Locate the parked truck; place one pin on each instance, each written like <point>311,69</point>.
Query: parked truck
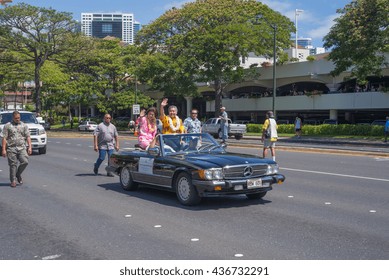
<point>212,126</point>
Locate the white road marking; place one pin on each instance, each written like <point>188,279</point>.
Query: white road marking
<point>336,174</point>
<point>127,216</point>
<point>372,211</point>
<point>194,239</point>
<point>381,159</point>
<point>327,203</point>
<point>238,255</point>
<point>157,226</point>
<point>290,196</point>
<point>52,257</point>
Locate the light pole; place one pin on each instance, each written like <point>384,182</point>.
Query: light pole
<point>296,13</point>
<point>274,68</point>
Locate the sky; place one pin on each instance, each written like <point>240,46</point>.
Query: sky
<point>314,22</point>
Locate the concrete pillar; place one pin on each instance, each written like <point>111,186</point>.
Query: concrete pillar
<point>92,111</point>
<point>189,104</point>
<point>348,116</point>
<point>333,114</point>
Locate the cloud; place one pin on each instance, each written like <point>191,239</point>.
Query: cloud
<point>323,27</point>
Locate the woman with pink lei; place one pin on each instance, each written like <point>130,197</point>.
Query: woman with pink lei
<point>148,128</point>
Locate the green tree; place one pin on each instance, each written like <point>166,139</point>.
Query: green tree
<point>363,28</point>
<point>205,40</point>
<point>31,34</point>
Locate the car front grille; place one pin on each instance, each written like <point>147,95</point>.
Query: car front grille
<point>244,171</point>
<point>34,131</point>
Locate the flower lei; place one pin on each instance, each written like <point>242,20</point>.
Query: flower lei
<point>177,126</point>
<point>151,126</point>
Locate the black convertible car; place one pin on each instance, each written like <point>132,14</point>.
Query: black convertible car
<point>195,166</point>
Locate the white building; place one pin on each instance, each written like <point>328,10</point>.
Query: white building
<point>101,25</point>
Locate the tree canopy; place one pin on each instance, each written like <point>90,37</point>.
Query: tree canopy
<point>31,34</point>
<point>205,40</point>
<point>360,38</point>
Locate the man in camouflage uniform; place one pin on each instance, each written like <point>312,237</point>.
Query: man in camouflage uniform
<point>15,137</point>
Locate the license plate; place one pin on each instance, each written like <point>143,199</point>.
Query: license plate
<point>254,183</point>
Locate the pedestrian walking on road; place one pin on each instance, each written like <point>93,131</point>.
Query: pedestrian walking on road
<point>106,140</point>
<point>386,130</point>
<point>15,136</point>
<point>224,124</point>
<point>269,135</point>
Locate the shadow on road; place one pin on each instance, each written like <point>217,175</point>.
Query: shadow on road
<point>167,198</point>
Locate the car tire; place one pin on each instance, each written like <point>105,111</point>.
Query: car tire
<point>126,180</point>
<point>185,191</point>
<point>42,150</point>
<point>256,195</point>
<point>238,136</point>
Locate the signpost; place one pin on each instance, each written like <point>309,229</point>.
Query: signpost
<point>136,109</point>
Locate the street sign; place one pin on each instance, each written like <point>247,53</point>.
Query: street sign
<point>136,109</point>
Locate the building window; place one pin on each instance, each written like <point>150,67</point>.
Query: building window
<point>106,28</point>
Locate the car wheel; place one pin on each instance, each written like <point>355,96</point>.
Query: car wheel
<point>256,195</point>
<point>185,191</point>
<point>126,180</point>
<point>42,150</point>
<point>238,137</point>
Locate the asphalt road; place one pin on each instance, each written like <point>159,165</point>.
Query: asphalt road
<point>330,207</point>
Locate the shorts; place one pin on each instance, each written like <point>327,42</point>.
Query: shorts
<point>269,144</point>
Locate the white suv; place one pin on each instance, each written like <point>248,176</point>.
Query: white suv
<point>37,132</point>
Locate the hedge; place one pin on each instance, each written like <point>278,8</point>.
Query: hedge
<point>326,129</point>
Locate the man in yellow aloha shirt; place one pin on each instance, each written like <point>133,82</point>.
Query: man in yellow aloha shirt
<point>172,123</point>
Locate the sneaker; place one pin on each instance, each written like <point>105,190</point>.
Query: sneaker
<point>20,180</point>
<point>95,170</point>
<point>109,174</point>
<point>13,184</point>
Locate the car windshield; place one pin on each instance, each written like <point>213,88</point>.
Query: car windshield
<point>24,117</point>
<point>189,143</point>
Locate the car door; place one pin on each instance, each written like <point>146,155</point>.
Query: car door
<point>206,125</point>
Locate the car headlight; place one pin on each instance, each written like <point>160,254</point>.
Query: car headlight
<point>211,174</point>
<point>41,131</point>
<point>272,169</point>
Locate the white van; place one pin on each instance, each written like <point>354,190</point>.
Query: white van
<point>37,132</point>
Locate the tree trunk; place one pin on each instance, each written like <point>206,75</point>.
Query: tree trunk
<point>218,97</point>
<point>37,93</point>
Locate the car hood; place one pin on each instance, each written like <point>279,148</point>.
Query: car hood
<point>215,160</point>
